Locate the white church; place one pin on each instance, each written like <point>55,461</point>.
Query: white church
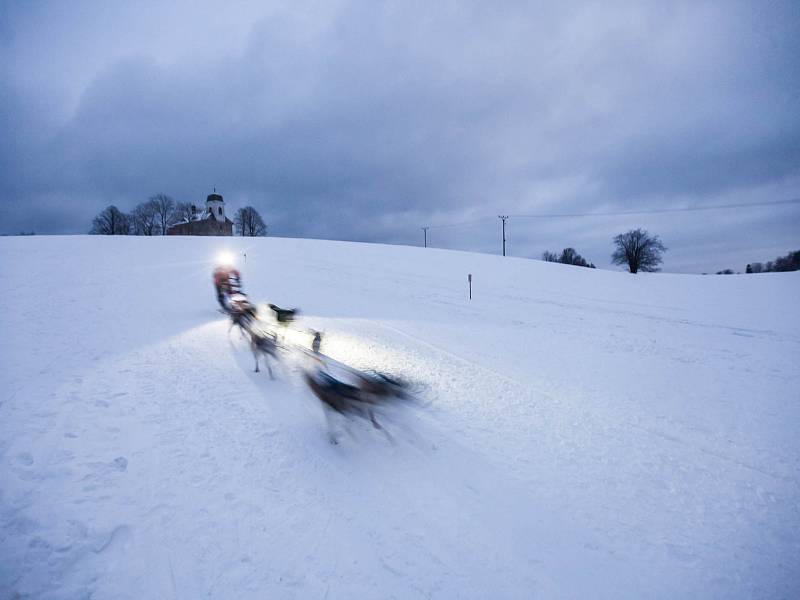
<point>211,221</point>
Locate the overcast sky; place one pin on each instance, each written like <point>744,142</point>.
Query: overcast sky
<point>368,120</point>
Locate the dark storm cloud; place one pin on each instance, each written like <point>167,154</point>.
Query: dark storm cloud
<point>367,120</point>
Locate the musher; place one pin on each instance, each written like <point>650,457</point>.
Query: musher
<point>227,281</point>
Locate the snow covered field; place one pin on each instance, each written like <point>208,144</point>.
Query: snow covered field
<point>588,434</point>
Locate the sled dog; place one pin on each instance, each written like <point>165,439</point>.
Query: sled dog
<point>263,344</point>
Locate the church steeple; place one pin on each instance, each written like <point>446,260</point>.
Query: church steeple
<point>215,206</point>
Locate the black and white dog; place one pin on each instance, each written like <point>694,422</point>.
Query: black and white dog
<point>360,398</point>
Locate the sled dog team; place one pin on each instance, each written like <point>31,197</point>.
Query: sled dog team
<point>358,398</point>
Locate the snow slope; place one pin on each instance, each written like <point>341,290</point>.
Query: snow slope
<point>588,434</point>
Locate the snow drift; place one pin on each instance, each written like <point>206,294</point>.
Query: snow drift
<point>587,433</point>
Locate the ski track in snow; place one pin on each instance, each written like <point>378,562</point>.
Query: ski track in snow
<point>150,461</point>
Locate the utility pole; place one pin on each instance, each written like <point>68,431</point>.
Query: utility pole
<point>425,229</point>
<point>503,218</point>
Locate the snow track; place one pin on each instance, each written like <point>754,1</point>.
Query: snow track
<point>143,458</point>
<point>203,493</point>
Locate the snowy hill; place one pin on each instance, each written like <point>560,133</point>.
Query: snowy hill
<point>587,434</point>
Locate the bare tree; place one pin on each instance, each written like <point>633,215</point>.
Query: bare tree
<point>166,211</point>
<point>548,256</point>
<point>568,257</point>
<point>790,262</point>
<point>185,212</point>
<point>146,218</point>
<point>249,223</point>
<point>639,250</point>
<point>111,221</point>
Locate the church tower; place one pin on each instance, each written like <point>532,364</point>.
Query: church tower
<point>215,206</point>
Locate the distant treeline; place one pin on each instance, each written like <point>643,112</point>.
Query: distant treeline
<point>568,256</point>
<point>153,217</point>
<point>790,262</point>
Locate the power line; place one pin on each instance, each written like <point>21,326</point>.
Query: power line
<point>660,210</point>
<point>504,218</point>
<point>462,223</point>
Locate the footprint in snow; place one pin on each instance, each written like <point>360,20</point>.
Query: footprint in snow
<point>120,535</point>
